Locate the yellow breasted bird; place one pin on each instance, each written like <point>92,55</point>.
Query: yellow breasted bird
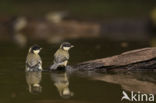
<point>33,60</point>
<point>61,56</point>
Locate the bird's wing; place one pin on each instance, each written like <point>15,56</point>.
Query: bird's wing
<point>60,59</point>
<point>33,63</point>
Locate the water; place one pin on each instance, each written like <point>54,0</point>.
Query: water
<point>70,87</point>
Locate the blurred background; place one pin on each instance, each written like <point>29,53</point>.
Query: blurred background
<point>97,28</point>
<point>54,21</point>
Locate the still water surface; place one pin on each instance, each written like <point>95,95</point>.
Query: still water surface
<point>69,87</point>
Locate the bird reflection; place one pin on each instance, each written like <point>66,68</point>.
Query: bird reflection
<point>60,79</point>
<point>33,80</point>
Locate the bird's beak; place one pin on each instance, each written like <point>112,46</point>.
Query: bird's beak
<point>41,48</point>
<point>72,46</point>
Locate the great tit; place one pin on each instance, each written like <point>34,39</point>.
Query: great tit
<point>33,60</point>
<point>61,56</point>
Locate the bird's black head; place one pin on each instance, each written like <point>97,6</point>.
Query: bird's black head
<point>35,49</point>
<point>66,46</point>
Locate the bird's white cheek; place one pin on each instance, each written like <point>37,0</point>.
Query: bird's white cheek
<point>36,51</point>
<point>66,48</point>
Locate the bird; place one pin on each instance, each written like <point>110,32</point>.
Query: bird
<point>61,56</point>
<point>33,60</point>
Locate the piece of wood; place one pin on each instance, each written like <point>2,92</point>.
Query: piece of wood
<point>136,59</point>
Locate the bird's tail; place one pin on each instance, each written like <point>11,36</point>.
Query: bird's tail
<point>54,66</point>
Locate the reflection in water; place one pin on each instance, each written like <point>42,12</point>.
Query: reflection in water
<point>61,82</point>
<point>133,81</point>
<point>33,80</point>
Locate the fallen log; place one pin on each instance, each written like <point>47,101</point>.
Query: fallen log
<point>136,59</point>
